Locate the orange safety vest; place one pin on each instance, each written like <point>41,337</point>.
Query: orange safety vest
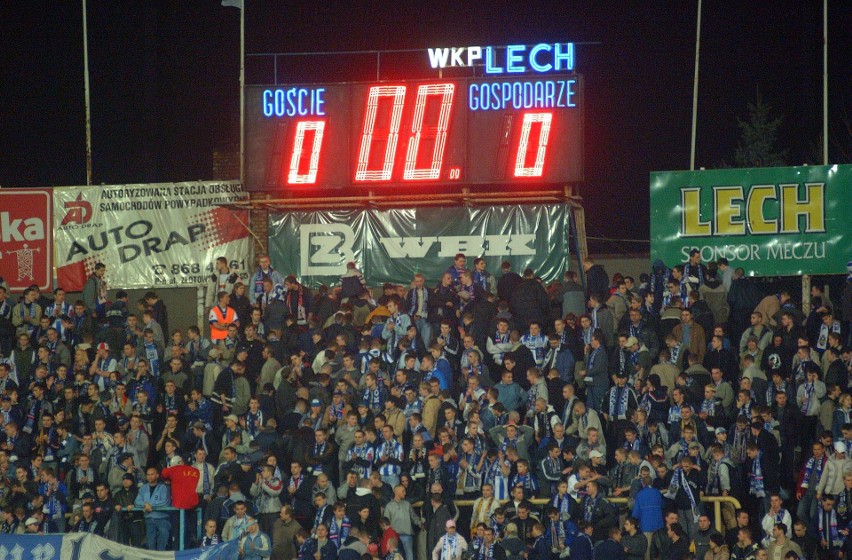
<point>228,317</point>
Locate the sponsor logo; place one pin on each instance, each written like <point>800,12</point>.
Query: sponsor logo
<point>25,238</point>
<point>78,211</point>
<point>326,248</point>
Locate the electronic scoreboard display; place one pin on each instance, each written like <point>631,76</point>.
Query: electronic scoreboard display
<point>407,134</point>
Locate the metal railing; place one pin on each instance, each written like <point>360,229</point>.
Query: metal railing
<point>181,536</point>
<point>717,502</point>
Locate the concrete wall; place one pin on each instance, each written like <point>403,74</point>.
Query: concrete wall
<point>627,264</point>
<point>180,302</point>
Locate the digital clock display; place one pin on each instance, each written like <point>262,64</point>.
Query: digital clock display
<point>410,133</point>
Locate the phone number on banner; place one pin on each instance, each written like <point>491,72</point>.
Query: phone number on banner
<point>191,273</point>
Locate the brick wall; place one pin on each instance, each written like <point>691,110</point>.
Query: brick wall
<point>259,223</point>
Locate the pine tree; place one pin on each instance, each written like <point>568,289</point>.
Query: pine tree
<point>757,146</point>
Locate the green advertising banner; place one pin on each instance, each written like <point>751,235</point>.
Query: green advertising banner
<point>393,245</point>
<point>770,221</point>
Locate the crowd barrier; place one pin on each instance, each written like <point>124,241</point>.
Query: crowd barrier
<point>182,521</point>
<point>717,502</point>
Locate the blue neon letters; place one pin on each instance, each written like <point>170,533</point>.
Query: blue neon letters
<point>293,102</point>
<point>533,94</point>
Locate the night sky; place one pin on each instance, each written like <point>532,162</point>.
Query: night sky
<point>164,80</point>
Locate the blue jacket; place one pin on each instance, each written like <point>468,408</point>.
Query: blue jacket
<point>609,550</point>
<point>564,363</point>
<point>512,396</point>
<point>443,374</point>
<point>262,546</point>
<point>159,497</point>
<point>329,551</point>
<point>648,509</point>
<point>582,548</point>
<point>540,549</point>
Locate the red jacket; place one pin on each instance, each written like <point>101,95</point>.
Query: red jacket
<point>386,536</point>
<point>184,483</point>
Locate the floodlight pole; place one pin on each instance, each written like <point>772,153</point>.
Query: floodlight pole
<point>825,82</point>
<point>243,93</point>
<point>86,97</point>
<point>695,90</point>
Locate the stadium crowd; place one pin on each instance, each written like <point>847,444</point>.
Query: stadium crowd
<point>581,421</point>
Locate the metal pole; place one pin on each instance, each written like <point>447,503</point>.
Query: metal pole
<point>182,544</point>
<point>86,98</point>
<point>243,93</point>
<point>825,82</point>
<point>695,90</point>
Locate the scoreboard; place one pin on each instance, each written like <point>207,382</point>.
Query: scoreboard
<point>410,134</point>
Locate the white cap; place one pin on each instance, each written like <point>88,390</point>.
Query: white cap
<point>839,447</point>
<point>175,461</point>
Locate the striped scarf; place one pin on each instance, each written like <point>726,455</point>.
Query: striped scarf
<point>806,402</point>
<point>681,482</point>
<point>486,552</point>
<point>844,502</point>
<point>589,507</point>
<point>563,504</point>
<point>449,549</point>
<point>740,442</point>
<point>499,339</point>
<point>830,534</point>
<point>557,535</point>
<point>756,482</point>
<point>714,479</point>
<point>813,468</point>
<point>618,398</point>
<point>675,353</point>
<point>507,442</point>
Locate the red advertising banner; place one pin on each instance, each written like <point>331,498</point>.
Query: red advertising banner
<point>26,238</point>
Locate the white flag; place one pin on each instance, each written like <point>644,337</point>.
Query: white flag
<point>233,4</point>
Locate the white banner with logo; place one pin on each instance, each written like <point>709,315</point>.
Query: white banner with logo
<point>87,546</point>
<point>392,245</point>
<point>149,235</point>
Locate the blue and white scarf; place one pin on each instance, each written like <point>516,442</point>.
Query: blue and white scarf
<point>563,505</point>
<point>254,420</point>
<point>589,507</point>
<point>681,482</point>
<point>499,339</point>
<point>755,481</point>
<point>675,354</point>
<point>830,534</point>
<point>674,414</point>
<point>618,399</point>
<point>591,360</point>
<point>557,535</point>
<point>449,549</point>
<point>806,402</point>
<point>813,468</point>
<point>774,390</point>
<point>507,442</point>
<point>374,399</point>
<point>709,406</point>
